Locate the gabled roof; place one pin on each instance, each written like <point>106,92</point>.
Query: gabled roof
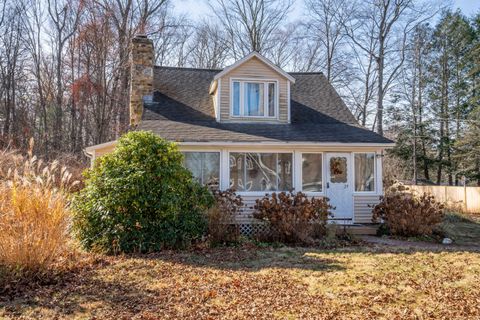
<point>257,55</point>
<point>182,110</point>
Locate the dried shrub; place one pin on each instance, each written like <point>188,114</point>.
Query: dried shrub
<point>33,227</point>
<point>222,226</point>
<point>294,217</point>
<point>407,213</point>
<point>34,216</point>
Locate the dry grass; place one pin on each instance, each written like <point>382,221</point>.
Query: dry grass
<point>34,217</point>
<point>33,227</point>
<point>283,283</point>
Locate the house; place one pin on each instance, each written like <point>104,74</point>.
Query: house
<point>256,128</point>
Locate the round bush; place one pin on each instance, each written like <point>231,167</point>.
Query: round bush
<point>140,198</point>
<point>404,212</point>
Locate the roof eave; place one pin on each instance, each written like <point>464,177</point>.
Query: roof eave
<point>288,143</point>
<point>261,58</point>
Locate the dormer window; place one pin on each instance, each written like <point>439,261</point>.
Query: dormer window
<point>253,98</point>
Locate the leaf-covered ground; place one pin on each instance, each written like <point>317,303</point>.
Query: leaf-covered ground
<point>269,283</point>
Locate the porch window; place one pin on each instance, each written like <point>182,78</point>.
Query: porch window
<point>312,172</point>
<point>261,171</point>
<point>364,172</point>
<point>338,170</point>
<point>254,98</point>
<point>205,166</point>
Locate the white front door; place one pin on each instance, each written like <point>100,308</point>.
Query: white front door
<point>339,185</point>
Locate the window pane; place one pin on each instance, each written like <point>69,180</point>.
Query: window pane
<point>285,176</point>
<point>253,99</point>
<point>236,98</point>
<point>338,170</point>
<point>193,162</point>
<point>237,173</point>
<point>260,170</point>
<point>312,172</point>
<point>204,166</point>
<point>364,172</point>
<point>271,99</point>
<point>211,168</point>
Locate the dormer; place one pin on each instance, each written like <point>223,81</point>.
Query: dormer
<point>253,89</point>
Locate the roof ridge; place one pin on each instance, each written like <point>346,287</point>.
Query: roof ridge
<point>218,70</point>
<point>187,68</point>
<point>307,72</point>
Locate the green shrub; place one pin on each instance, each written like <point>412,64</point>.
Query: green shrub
<point>140,198</point>
<point>406,213</point>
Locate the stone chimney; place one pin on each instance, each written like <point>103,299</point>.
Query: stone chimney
<point>141,76</point>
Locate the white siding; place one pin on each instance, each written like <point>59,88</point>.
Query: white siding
<point>362,207</point>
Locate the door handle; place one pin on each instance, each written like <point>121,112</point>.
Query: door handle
<point>346,185</point>
<point>328,185</point>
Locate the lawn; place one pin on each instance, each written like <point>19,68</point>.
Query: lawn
<point>462,228</point>
<point>264,283</point>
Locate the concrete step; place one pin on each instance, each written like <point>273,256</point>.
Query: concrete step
<point>359,229</point>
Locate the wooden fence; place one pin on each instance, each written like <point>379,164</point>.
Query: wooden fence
<point>467,198</point>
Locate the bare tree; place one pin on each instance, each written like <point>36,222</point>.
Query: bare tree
<point>209,48</point>
<point>12,65</point>
<point>393,23</point>
<point>64,16</point>
<point>327,18</point>
<point>361,90</point>
<point>250,25</point>
<point>35,18</point>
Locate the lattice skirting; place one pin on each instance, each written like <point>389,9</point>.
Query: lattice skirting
<point>254,229</point>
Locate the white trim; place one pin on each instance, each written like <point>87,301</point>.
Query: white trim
<point>265,83</point>
<point>279,145</point>
<point>100,146</point>
<point>297,183</point>
<point>380,173</point>
<point>219,93</point>
<point>225,169</point>
<point>213,87</point>
<point>375,183</point>
<point>288,103</point>
<point>250,56</point>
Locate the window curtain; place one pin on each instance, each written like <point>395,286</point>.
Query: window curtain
<point>253,98</point>
<point>364,172</point>
<point>236,98</point>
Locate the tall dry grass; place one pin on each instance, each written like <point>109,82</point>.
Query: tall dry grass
<point>34,214</point>
<point>33,227</point>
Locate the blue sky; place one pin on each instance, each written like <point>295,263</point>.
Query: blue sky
<point>197,9</point>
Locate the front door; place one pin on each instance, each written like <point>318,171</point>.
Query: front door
<point>339,186</point>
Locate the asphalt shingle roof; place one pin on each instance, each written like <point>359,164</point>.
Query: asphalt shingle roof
<point>182,110</point>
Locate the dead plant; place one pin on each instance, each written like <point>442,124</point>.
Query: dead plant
<point>293,216</point>
<point>407,213</point>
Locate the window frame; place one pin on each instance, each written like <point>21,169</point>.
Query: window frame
<point>315,193</point>
<point>265,83</point>
<point>260,193</point>
<point>183,151</point>
<point>375,184</point>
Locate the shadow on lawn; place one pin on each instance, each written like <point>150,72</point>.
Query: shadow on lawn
<point>81,295</point>
<point>250,259</point>
<point>117,294</point>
